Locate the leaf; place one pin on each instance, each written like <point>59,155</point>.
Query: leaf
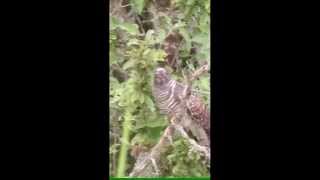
<point>179,25</point>
<point>114,23</point>
<point>150,104</point>
<point>154,132</point>
<point>141,98</point>
<point>133,42</point>
<point>138,5</point>
<point>165,22</point>
<point>114,148</point>
<point>130,28</point>
<point>137,139</point>
<point>130,63</point>
<point>113,57</point>
<point>146,52</point>
<point>161,36</point>
<point>207,6</point>
<point>132,96</point>
<point>158,55</point>
<point>190,2</point>
<point>155,123</point>
<point>202,38</point>
<point>204,27</point>
<point>204,84</point>
<point>149,35</point>
<point>203,56</point>
<point>187,38</point>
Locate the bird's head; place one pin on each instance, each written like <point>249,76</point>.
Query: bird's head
<point>161,76</point>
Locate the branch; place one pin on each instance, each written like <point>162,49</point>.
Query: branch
<point>116,8</point>
<point>188,80</point>
<point>146,163</point>
<point>193,143</point>
<point>201,92</point>
<point>199,72</point>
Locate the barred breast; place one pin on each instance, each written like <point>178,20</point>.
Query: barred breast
<point>167,92</point>
<point>167,97</point>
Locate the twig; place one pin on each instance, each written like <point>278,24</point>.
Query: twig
<point>155,166</point>
<point>140,24</point>
<point>116,8</point>
<point>126,5</point>
<point>146,163</point>
<point>200,91</point>
<point>199,72</point>
<point>192,142</point>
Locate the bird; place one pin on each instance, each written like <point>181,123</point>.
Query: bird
<point>167,93</point>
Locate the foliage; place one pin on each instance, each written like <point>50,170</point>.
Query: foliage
<point>134,118</point>
<point>182,158</point>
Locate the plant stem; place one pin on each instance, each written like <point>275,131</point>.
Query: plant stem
<point>124,149</point>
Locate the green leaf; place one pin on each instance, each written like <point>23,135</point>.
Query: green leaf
<point>114,23</point>
<point>141,98</point>
<point>146,53</point>
<point>187,38</point>
<point>202,38</point>
<point>130,63</point>
<point>179,25</point>
<point>204,84</point>
<point>137,139</point>
<point>161,36</point>
<point>158,55</point>
<point>114,148</point>
<point>149,35</point>
<point>133,42</point>
<point>155,123</point>
<point>154,132</point>
<point>133,97</point>
<point>130,28</point>
<point>207,6</point>
<point>138,5</point>
<point>204,27</point>
<point>150,103</point>
<point>113,57</point>
<point>203,56</point>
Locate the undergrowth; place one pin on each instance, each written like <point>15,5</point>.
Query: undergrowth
<point>134,55</point>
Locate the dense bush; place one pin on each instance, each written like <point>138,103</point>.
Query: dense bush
<point>135,51</point>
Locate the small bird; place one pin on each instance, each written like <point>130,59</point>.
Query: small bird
<point>167,93</point>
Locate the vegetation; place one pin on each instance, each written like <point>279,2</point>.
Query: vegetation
<point>139,30</point>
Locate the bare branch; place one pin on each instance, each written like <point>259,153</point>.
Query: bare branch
<point>146,163</point>
<point>193,143</point>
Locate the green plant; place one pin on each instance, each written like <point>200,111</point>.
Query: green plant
<point>183,162</point>
<point>134,118</point>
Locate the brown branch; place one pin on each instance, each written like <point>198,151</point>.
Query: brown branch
<point>146,163</point>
